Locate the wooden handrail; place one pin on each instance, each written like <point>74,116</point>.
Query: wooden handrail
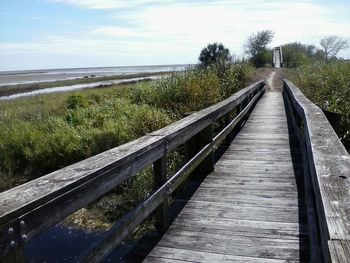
<point>33,207</point>
<point>329,170</point>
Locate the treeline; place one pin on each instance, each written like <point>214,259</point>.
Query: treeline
<point>323,78</point>
<point>294,54</point>
<point>298,54</point>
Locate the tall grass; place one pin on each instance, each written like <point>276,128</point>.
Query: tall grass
<point>42,134</point>
<point>33,145</point>
<point>191,90</point>
<point>45,133</point>
<point>328,85</point>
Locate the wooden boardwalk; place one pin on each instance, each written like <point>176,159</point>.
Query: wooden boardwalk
<point>251,208</point>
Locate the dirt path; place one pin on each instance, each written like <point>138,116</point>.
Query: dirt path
<point>270,81</point>
<point>274,81</point>
<point>273,77</point>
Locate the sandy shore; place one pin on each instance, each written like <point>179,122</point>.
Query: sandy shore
<point>76,87</point>
<point>50,75</point>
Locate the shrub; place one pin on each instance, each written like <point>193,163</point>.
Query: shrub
<point>75,101</point>
<point>191,90</point>
<point>36,148</point>
<point>328,85</point>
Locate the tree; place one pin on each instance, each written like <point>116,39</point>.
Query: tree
<point>332,45</point>
<point>296,54</point>
<point>256,47</point>
<point>215,54</point>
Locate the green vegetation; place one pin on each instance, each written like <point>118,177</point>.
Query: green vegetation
<point>323,78</point>
<point>45,133</point>
<point>217,57</point>
<point>191,90</point>
<point>296,54</point>
<point>328,86</point>
<point>256,48</point>
<point>36,145</point>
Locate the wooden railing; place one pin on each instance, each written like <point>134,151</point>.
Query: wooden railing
<point>327,178</point>
<point>31,208</point>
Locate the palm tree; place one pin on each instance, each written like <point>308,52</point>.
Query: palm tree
<point>215,54</point>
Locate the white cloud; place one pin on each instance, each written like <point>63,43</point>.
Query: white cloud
<point>232,21</point>
<point>175,32</point>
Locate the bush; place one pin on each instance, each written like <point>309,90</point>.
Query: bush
<point>234,79</point>
<point>42,135</point>
<point>182,92</point>
<point>37,148</point>
<point>77,101</point>
<point>191,90</point>
<point>328,85</point>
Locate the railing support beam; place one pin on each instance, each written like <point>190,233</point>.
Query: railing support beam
<point>205,137</point>
<point>195,144</point>
<point>160,177</point>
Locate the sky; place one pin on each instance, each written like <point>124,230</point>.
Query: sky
<point>38,34</point>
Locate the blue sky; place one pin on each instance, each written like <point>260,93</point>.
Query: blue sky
<point>38,34</point>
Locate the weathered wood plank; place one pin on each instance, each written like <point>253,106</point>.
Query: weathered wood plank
<point>232,245</point>
<point>339,250</point>
<point>56,195</point>
<point>329,165</point>
<point>231,227</point>
<point>251,205</point>
<point>167,253</point>
<point>249,226</point>
<point>179,132</point>
<point>275,214</point>
<point>23,198</point>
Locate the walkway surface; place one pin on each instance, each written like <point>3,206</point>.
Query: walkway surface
<point>251,208</point>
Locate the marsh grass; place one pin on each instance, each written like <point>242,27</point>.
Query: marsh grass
<point>44,133</point>
<point>328,86</point>
<point>191,90</point>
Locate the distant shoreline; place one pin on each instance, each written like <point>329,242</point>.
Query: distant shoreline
<point>23,90</point>
<point>43,71</point>
<point>33,77</point>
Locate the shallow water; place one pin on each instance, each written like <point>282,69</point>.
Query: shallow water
<point>73,87</point>
<point>46,75</point>
<point>64,244</point>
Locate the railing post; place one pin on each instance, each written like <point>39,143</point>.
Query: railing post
<point>205,137</point>
<point>228,140</point>
<point>195,144</point>
<point>160,177</point>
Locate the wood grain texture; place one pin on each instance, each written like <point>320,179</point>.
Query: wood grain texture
<point>339,250</point>
<point>329,165</point>
<point>53,197</point>
<point>251,208</point>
